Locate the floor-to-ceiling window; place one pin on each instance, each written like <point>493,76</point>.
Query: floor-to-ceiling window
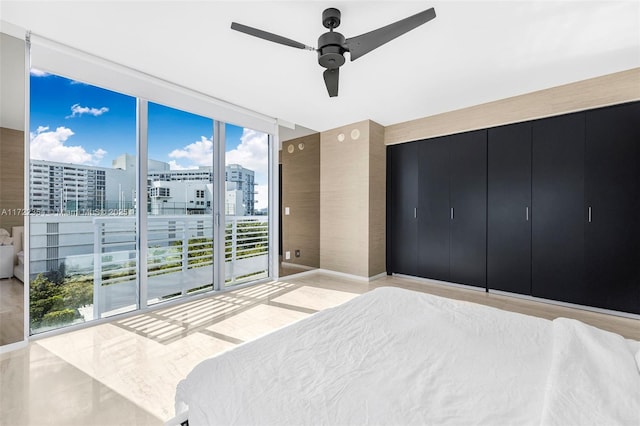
<point>246,205</point>
<point>82,202</point>
<point>180,226</point>
<point>125,208</point>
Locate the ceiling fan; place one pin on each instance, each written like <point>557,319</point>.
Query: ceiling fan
<point>332,45</point>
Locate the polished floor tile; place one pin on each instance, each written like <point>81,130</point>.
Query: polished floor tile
<point>256,322</point>
<point>40,388</point>
<point>11,311</point>
<point>125,372</point>
<point>314,298</point>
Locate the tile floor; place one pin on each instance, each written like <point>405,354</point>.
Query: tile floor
<point>11,311</point>
<point>125,372</point>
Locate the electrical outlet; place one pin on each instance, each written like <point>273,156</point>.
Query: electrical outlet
<point>287,255</point>
<point>297,253</point>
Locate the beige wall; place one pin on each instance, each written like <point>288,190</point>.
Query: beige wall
<point>12,82</point>
<point>12,101</point>
<point>352,194</point>
<point>592,93</point>
<point>353,171</point>
<point>377,200</point>
<point>301,193</point>
<point>11,178</point>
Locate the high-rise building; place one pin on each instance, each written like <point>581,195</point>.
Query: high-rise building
<point>240,179</point>
<point>63,188</point>
<point>72,188</point>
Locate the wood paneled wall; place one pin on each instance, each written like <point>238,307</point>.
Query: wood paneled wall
<point>352,199</point>
<point>301,194</point>
<point>596,92</point>
<point>11,178</point>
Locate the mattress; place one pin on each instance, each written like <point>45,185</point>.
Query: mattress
<point>395,356</point>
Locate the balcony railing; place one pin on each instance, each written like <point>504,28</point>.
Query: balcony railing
<point>179,255</point>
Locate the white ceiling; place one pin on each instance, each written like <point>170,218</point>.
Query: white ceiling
<point>472,52</point>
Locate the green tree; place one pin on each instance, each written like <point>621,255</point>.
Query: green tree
<point>44,297</point>
<point>78,293</point>
<point>63,316</point>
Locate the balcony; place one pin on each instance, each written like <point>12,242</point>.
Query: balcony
<point>101,253</point>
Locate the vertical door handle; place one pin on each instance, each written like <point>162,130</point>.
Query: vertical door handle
<point>527,213</point>
<point>415,212</point>
<point>451,213</point>
<point>589,214</point>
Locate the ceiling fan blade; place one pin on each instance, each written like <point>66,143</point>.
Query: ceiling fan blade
<point>331,77</point>
<point>269,36</point>
<point>365,43</point>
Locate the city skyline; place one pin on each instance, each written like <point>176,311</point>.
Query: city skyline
<point>78,123</point>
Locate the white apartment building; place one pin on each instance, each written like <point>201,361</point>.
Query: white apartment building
<point>240,179</point>
<point>71,188</point>
<point>180,197</point>
<point>60,188</point>
<point>173,198</point>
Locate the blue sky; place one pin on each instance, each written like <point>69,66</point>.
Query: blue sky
<point>102,120</point>
<point>73,122</point>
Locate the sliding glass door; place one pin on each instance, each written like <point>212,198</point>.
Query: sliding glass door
<point>180,202</point>
<point>127,205</point>
<point>82,211</point>
<point>246,205</point>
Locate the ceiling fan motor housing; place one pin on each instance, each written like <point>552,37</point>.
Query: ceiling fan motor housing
<point>331,50</point>
<point>331,18</point>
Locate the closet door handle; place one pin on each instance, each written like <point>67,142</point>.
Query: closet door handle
<point>527,213</point>
<point>451,213</point>
<point>415,212</point>
<point>589,214</point>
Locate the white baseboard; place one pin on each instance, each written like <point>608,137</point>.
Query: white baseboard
<point>297,275</point>
<point>295,265</point>
<point>351,276</point>
<point>14,346</point>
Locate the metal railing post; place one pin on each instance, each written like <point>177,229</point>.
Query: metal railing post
<point>185,253</point>
<point>234,244</point>
<point>97,268</point>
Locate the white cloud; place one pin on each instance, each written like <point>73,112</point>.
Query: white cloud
<point>98,155</point>
<point>50,146</point>
<point>173,165</point>
<point>199,153</point>
<point>38,73</point>
<point>77,111</point>
<point>252,154</point>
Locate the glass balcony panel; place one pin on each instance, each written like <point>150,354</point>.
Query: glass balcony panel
<point>179,228</point>
<point>246,205</point>
<point>82,259</point>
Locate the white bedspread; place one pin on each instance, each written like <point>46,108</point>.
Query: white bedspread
<point>398,357</point>
<point>593,378</point>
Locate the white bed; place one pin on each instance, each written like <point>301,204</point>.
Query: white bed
<point>399,357</point>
